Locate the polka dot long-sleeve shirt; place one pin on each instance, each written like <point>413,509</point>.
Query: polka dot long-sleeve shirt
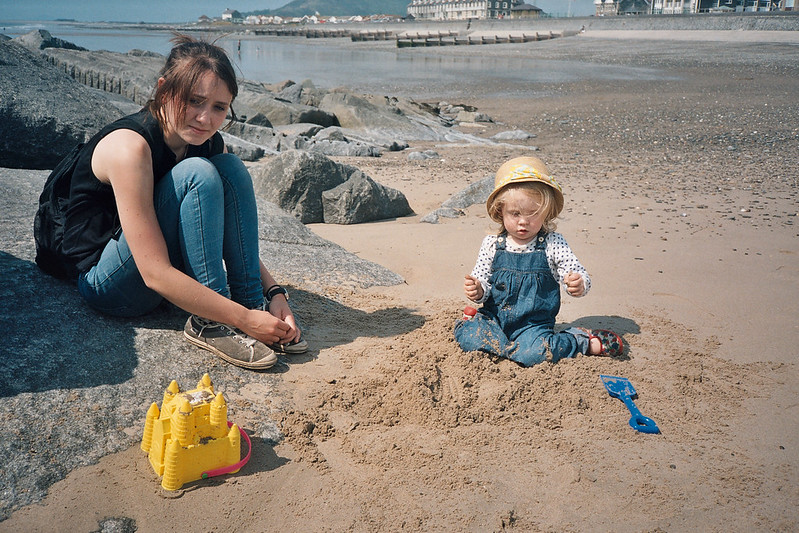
<point>560,257</point>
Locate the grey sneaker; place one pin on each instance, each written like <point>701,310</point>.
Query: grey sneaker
<point>230,344</point>
<point>292,348</point>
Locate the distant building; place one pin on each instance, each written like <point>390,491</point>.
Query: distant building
<point>204,19</point>
<point>679,7</point>
<point>461,9</point>
<point>231,15</point>
<point>525,11</point>
<point>606,7</point>
<point>635,7</point>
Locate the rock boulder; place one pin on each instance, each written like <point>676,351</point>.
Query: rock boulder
<point>43,112</point>
<point>295,181</point>
<point>360,199</point>
<point>316,189</point>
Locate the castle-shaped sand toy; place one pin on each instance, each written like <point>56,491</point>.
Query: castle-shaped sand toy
<point>190,437</point>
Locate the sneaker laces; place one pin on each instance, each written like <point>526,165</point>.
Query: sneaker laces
<point>237,334</point>
<point>243,338</point>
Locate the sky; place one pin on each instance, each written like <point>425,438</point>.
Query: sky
<point>188,10</point>
<point>127,10</point>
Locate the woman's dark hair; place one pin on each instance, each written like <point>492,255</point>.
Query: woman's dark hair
<point>188,61</point>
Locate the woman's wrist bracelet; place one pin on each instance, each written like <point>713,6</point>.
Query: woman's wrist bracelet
<point>273,291</point>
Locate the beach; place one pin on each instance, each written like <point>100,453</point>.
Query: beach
<point>681,201</point>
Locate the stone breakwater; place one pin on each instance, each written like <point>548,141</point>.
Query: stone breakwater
<point>131,75</point>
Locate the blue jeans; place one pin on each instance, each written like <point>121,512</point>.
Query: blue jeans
<point>207,213</point>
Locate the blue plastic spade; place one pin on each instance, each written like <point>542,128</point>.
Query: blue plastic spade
<point>622,389</point>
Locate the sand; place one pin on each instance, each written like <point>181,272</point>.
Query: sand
<point>680,200</point>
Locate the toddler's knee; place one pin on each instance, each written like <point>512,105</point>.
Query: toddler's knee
<point>468,336</point>
<point>529,353</point>
<point>527,357</point>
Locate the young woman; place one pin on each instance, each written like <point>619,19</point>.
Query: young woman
<point>159,210</point>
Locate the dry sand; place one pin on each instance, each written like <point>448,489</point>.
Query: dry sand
<point>680,200</point>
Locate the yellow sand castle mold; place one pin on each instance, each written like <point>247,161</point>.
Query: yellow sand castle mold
<point>190,438</point>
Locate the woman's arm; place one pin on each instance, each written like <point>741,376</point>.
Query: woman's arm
<point>123,160</point>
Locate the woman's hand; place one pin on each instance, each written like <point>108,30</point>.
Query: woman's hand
<point>268,328</point>
<point>472,288</point>
<point>279,307</point>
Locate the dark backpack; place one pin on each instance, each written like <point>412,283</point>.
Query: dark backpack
<point>48,225</point>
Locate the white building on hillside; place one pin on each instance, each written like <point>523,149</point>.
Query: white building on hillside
<point>461,9</point>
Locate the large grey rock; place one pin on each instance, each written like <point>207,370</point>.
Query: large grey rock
<point>358,113</point>
<point>361,199</point>
<point>133,74</point>
<point>314,115</point>
<point>41,39</point>
<point>305,93</point>
<point>246,150</point>
<point>72,394</point>
<point>43,112</point>
<point>333,141</point>
<point>433,217</point>
<point>252,101</point>
<point>343,148</point>
<point>475,193</point>
<point>266,137</point>
<point>295,253</point>
<point>302,129</point>
<point>329,141</point>
<point>295,180</point>
<point>389,122</point>
<point>333,133</point>
<point>259,119</point>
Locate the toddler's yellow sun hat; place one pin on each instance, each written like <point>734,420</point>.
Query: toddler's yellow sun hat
<point>521,169</point>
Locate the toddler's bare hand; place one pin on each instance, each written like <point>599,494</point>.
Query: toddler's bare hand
<point>574,284</point>
<point>472,288</point>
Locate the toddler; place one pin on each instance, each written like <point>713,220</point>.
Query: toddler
<point>518,275</point>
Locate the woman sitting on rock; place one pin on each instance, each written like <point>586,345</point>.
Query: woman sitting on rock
<point>159,210</point>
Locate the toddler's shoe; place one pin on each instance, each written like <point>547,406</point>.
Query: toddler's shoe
<point>612,344</point>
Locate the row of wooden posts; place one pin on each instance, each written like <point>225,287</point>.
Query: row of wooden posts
<point>416,39</point>
<point>470,40</point>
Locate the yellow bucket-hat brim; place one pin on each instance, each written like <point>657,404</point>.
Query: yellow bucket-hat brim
<point>525,169</point>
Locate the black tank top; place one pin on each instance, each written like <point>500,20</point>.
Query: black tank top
<point>91,216</point>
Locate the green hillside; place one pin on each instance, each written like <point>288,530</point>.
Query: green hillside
<point>339,8</point>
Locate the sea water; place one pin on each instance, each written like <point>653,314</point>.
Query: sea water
<point>328,63</point>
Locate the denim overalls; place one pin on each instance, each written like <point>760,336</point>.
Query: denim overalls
<point>517,319</point>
